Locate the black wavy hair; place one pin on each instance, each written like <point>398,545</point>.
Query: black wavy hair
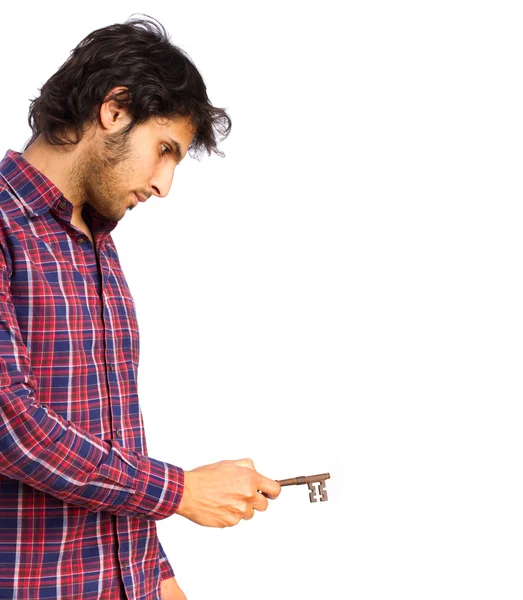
<point>160,78</point>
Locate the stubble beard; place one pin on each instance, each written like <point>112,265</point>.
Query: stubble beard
<point>101,176</point>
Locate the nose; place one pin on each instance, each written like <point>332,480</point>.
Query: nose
<point>161,180</point>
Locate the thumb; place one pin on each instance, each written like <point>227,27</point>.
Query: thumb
<point>244,462</point>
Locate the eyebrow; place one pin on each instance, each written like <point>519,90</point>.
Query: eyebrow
<point>178,149</point>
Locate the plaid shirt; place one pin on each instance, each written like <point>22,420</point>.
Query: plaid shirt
<point>79,496</point>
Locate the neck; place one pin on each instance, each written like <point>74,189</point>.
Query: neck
<point>60,165</point>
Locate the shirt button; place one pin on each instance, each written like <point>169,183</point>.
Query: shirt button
<point>117,433</point>
<point>63,204</point>
<point>125,565</point>
<point>81,241</point>
<point>141,515</point>
<point>111,367</point>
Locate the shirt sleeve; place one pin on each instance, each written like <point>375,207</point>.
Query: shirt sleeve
<point>43,450</point>
<point>166,571</point>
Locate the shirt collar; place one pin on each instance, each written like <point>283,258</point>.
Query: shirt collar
<point>37,193</point>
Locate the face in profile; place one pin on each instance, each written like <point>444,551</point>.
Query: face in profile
<point>119,170</point>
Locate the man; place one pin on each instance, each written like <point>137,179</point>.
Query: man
<point>79,496</point>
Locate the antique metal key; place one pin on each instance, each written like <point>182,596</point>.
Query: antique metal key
<point>311,481</point>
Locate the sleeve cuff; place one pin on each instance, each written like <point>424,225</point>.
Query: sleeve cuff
<point>159,491</point>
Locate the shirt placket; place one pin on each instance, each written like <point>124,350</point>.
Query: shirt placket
<point>113,391</point>
<point>121,525</point>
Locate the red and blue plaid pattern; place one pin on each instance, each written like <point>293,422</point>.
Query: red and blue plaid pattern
<point>79,496</point>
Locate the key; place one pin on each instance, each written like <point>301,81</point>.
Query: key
<point>311,481</point>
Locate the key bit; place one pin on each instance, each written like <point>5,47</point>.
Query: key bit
<point>311,481</point>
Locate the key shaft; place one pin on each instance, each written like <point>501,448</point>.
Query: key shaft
<point>304,480</point>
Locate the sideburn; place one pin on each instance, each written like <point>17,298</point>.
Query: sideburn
<point>117,148</point>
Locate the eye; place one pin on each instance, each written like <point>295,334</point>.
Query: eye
<point>166,149</point>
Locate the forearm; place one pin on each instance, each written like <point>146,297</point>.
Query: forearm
<point>40,448</point>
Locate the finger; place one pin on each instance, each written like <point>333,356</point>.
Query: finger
<point>269,487</point>
<point>260,502</point>
<point>244,462</point>
<point>249,513</point>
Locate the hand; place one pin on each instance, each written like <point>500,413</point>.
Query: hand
<point>170,590</point>
<point>221,494</point>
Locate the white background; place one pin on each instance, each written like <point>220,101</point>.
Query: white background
<point>342,292</point>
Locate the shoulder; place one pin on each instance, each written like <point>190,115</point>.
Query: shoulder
<point>10,205</point>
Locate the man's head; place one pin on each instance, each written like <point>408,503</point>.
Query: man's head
<point>130,105</point>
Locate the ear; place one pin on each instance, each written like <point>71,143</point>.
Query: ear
<point>113,116</point>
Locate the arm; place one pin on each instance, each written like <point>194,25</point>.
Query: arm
<point>169,588</point>
<point>43,450</point>
<point>166,571</point>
